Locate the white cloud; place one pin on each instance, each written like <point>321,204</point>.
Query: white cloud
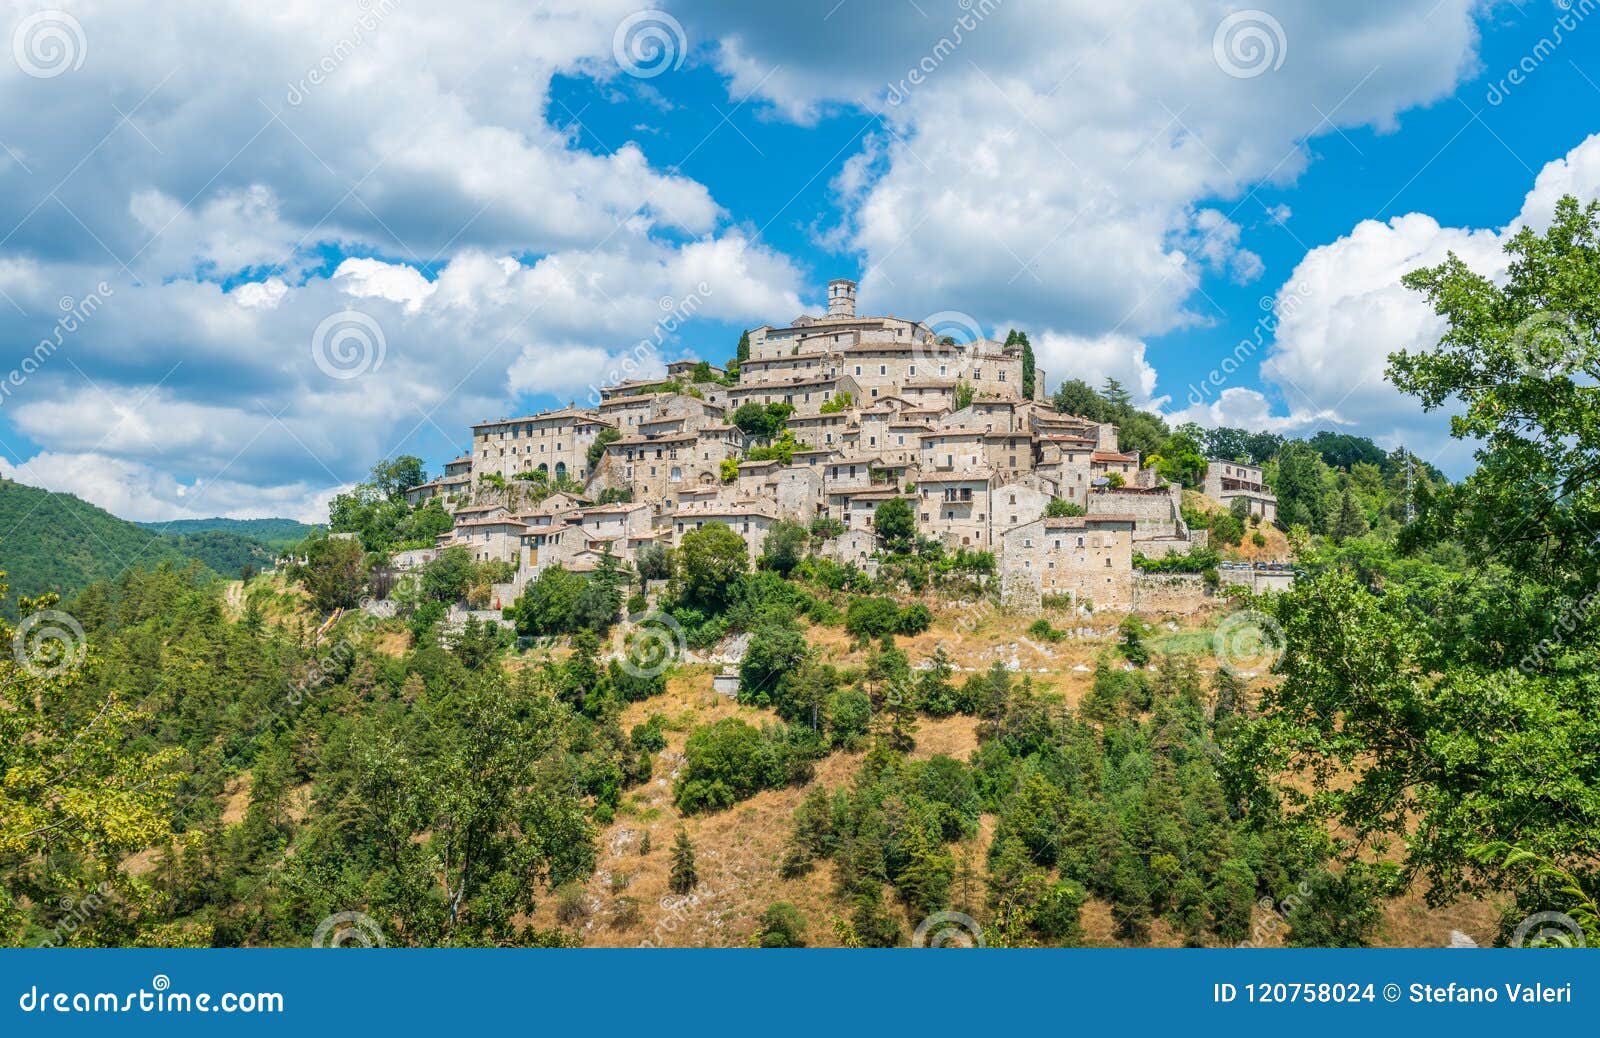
<point>143,493</point>
<point>241,145</point>
<point>1344,311</point>
<point>1095,359</point>
<point>1062,160</point>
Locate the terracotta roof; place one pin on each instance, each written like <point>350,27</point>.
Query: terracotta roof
<point>1112,456</point>
<point>760,508</point>
<point>548,416</point>
<point>795,383</point>
<point>1078,522</point>
<point>635,441</point>
<point>502,520</point>
<point>960,476</point>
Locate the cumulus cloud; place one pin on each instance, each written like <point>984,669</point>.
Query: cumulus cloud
<point>276,198</point>
<point>1343,311</point>
<point>1058,159</point>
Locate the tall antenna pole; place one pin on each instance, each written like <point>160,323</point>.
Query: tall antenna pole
<point>1411,504</point>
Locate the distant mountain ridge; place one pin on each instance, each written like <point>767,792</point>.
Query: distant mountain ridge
<point>272,532</point>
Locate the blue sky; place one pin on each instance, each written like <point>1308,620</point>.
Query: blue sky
<point>504,197</point>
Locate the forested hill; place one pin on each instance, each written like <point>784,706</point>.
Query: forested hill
<point>61,543</point>
<point>274,533</point>
<point>57,542</point>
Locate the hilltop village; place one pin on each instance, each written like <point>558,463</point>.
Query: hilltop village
<point>823,421</point>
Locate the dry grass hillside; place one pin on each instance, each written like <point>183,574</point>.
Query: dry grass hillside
<point>738,852</point>
<point>1275,550</point>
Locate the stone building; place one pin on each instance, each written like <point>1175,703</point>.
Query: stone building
<point>555,443</point>
<point>1230,481</point>
<point>751,520</point>
<point>1086,559</point>
<point>954,507</point>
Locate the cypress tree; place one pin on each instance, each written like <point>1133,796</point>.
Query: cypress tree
<point>683,878</point>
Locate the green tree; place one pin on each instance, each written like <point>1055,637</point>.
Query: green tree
<point>1016,338</point>
<point>784,547</point>
<point>1461,704</point>
<point>1077,397</point>
<point>394,477</point>
<point>447,577</point>
<point>458,823</point>
<point>782,926</point>
<point>597,449</point>
<point>548,605</point>
<point>777,647</point>
<point>82,792</point>
<point>710,561</point>
<point>683,877</point>
<point>1349,522</point>
<point>895,524</point>
<point>334,571</point>
<point>1300,487</point>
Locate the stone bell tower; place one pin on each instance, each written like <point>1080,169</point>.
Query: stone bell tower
<point>841,298</point>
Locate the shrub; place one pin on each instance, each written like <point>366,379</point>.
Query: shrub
<point>1133,630</point>
<point>1042,630</point>
<point>914,619</point>
<point>849,715</point>
<point>648,736</point>
<point>782,926</point>
<point>872,617</point>
<point>625,914</point>
<point>730,760</point>
<point>1196,560</point>
<point>572,904</point>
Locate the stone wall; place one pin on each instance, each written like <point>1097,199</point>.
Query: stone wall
<point>1181,593</point>
<point>1157,514</point>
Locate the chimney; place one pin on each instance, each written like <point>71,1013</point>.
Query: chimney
<point>841,298</point>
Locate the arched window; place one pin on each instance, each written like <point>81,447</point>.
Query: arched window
<point>561,470</point>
